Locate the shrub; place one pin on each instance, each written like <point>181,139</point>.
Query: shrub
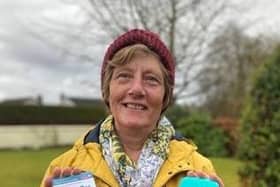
<point>260,143</point>
<point>230,127</point>
<point>198,127</point>
<point>175,113</point>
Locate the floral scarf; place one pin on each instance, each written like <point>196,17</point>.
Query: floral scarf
<point>153,154</point>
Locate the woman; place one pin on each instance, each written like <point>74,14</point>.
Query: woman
<point>135,145</point>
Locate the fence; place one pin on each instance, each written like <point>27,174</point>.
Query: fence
<point>37,136</point>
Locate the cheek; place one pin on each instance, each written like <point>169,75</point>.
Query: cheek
<point>115,93</point>
<point>158,98</point>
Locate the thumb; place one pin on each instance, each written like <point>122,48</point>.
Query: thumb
<point>48,182</point>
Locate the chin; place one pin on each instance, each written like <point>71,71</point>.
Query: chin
<point>136,123</point>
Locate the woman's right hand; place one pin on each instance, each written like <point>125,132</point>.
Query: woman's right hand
<point>60,173</point>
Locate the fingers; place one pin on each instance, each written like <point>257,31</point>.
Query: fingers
<point>59,173</point>
<point>66,172</point>
<point>48,182</point>
<point>76,171</point>
<point>204,175</point>
<point>217,179</point>
<point>197,174</point>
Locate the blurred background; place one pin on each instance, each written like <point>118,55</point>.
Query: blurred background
<point>227,93</point>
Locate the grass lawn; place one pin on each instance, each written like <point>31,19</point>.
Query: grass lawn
<point>25,168</point>
<point>227,170</point>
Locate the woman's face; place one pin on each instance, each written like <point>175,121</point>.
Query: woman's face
<point>136,93</point>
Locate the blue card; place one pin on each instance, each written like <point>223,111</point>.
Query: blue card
<point>197,182</point>
<point>84,179</point>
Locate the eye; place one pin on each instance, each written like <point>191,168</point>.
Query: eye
<point>153,80</point>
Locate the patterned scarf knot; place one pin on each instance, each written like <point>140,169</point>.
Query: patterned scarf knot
<point>155,150</point>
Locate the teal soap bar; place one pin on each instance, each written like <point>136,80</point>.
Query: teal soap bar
<point>197,182</point>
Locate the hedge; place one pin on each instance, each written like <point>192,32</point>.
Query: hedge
<point>50,115</point>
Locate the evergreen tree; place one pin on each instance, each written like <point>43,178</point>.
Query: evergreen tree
<point>260,142</point>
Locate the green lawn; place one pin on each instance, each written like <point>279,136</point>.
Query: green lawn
<point>25,168</point>
<point>227,170</point>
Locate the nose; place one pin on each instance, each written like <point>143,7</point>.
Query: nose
<point>137,89</point>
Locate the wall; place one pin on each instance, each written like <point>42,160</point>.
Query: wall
<point>37,136</point>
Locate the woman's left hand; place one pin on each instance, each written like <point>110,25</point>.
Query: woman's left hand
<point>204,175</point>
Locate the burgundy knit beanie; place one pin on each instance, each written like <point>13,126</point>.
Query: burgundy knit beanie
<point>151,40</point>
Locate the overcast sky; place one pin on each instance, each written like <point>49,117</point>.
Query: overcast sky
<point>29,67</point>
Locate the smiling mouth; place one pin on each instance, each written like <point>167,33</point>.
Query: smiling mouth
<point>134,106</point>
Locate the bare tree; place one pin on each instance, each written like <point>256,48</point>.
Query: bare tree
<point>234,57</point>
<point>188,27</point>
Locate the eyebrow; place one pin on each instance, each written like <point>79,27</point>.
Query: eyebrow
<point>119,69</point>
<point>129,69</point>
